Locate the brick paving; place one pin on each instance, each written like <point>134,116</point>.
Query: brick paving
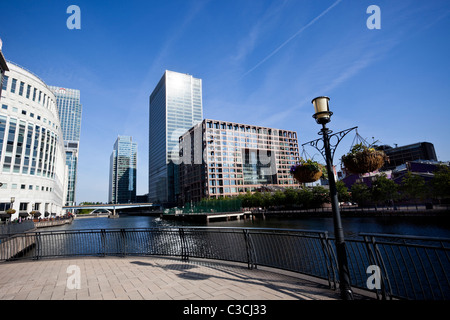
<point>152,278</point>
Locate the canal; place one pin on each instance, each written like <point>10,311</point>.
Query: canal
<point>433,226</point>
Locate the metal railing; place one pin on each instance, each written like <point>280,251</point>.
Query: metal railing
<point>11,228</point>
<point>409,267</point>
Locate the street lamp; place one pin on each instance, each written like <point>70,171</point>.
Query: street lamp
<point>323,116</point>
<point>322,109</point>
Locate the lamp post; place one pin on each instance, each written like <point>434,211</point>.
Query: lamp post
<point>13,199</point>
<point>323,116</point>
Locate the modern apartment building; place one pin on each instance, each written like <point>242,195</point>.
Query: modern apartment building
<point>33,171</point>
<point>221,158</point>
<point>69,110</point>
<point>122,174</point>
<point>175,106</point>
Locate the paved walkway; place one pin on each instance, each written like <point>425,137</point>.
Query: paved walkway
<point>151,278</point>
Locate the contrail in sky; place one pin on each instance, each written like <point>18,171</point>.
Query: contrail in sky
<point>292,37</point>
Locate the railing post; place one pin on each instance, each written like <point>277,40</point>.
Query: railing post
<point>251,255</point>
<point>38,245</point>
<point>124,242</point>
<point>375,258</point>
<point>184,250</point>
<point>103,241</point>
<point>330,259</point>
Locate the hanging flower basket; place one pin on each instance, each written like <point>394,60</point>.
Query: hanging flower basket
<point>307,171</point>
<point>362,159</point>
<point>10,211</point>
<point>35,214</point>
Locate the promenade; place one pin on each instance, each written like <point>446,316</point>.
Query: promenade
<point>152,278</point>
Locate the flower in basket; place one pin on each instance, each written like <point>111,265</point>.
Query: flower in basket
<point>363,159</point>
<point>10,211</point>
<point>306,171</point>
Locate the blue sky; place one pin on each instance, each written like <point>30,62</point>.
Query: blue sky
<point>262,62</point>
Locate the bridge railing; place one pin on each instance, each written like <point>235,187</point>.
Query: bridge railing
<point>408,267</point>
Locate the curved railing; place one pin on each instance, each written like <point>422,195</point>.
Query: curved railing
<point>392,266</point>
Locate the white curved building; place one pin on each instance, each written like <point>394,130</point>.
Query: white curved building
<point>33,169</point>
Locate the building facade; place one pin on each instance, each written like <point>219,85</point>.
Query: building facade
<point>175,106</point>
<point>401,155</point>
<point>33,172</point>
<point>3,66</point>
<point>220,159</point>
<point>69,110</point>
<point>122,176</point>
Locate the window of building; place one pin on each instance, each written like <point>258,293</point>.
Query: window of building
<point>23,206</point>
<point>4,106</point>
<point>13,85</point>
<point>4,82</point>
<point>22,84</point>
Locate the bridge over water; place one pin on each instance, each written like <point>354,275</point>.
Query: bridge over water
<point>113,206</point>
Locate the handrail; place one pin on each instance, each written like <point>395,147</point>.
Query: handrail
<point>408,269</point>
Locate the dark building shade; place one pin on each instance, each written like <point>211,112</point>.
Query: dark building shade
<point>400,155</point>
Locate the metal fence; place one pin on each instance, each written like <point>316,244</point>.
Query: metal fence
<point>409,267</point>
<point>11,228</point>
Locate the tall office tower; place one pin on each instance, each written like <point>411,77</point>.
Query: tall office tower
<point>220,158</point>
<point>122,173</point>
<point>69,110</point>
<point>175,106</point>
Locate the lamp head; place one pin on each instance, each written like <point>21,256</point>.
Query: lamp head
<point>322,109</point>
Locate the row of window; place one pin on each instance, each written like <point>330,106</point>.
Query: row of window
<point>15,186</point>
<point>24,206</point>
<point>226,190</point>
<point>30,149</point>
<point>244,128</point>
<point>31,115</point>
<point>26,90</point>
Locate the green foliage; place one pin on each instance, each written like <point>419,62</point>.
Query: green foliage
<point>440,184</point>
<point>342,191</point>
<point>413,187</point>
<point>384,189</point>
<point>360,193</point>
<point>308,163</point>
<point>289,199</point>
<point>320,195</point>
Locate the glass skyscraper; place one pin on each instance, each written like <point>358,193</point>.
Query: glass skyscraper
<point>175,106</point>
<point>69,110</point>
<point>122,173</point>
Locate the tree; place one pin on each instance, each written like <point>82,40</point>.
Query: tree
<point>413,187</point>
<point>342,191</point>
<point>320,195</point>
<point>384,189</point>
<point>278,198</point>
<point>360,193</point>
<point>441,182</point>
<point>304,197</point>
<point>290,196</point>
